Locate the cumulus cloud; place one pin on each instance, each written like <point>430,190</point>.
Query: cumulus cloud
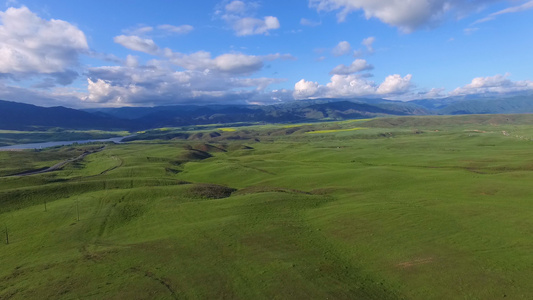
<point>30,45</point>
<point>509,10</point>
<point>137,43</point>
<point>357,65</point>
<point>241,17</point>
<point>499,84</point>
<point>156,85</point>
<point>57,96</point>
<point>346,86</point>
<point>229,63</point>
<point>182,29</point>
<point>395,84</point>
<point>406,15</point>
<point>237,63</point>
<point>349,86</point>
<point>304,89</point>
<point>251,26</point>
<point>342,48</point>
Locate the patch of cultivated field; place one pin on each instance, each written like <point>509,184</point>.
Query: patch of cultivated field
<point>414,208</point>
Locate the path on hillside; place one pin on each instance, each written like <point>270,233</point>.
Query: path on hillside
<point>58,165</point>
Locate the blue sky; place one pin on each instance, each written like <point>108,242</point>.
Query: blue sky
<point>144,53</point>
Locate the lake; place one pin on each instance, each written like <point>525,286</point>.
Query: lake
<point>60,143</point>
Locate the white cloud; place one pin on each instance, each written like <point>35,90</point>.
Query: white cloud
<point>304,89</point>
<point>131,61</point>
<point>499,84</point>
<point>182,29</point>
<point>278,56</point>
<point>155,85</point>
<point>509,10</point>
<point>224,64</point>
<point>237,63</point>
<point>30,45</point>
<point>241,17</point>
<point>229,63</point>
<point>342,48</point>
<point>145,31</point>
<point>139,30</point>
<point>251,26</point>
<point>310,23</point>
<point>137,43</point>
<point>406,15</point>
<point>49,97</point>
<point>349,86</point>
<point>236,7</point>
<point>395,84</point>
<point>205,79</point>
<point>346,86</point>
<point>368,43</point>
<point>357,65</point>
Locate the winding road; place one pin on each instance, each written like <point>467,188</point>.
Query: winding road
<point>56,166</point>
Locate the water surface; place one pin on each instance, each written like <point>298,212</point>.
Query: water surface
<point>59,143</point>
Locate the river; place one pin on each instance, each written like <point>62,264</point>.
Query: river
<point>60,143</point>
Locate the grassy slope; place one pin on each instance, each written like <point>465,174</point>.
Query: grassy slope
<point>373,213</point>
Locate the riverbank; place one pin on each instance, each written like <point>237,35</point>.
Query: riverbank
<point>30,146</point>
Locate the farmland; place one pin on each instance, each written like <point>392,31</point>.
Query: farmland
<point>388,208</point>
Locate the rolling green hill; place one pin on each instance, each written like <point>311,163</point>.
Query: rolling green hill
<point>402,208</point>
<point>18,116</point>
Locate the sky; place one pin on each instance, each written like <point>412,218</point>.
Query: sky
<point>85,54</point>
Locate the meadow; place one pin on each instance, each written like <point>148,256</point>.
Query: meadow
<point>388,208</point>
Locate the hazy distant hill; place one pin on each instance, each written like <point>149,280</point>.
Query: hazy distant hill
<point>19,116</point>
<point>298,111</point>
<point>467,105</point>
<point>515,105</point>
<point>24,116</point>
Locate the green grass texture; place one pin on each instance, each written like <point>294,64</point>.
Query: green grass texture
<point>407,208</point>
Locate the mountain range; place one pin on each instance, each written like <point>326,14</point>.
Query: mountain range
<point>19,116</point>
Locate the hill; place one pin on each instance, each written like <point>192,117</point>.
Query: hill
<point>331,210</point>
<point>25,117</point>
<point>19,116</point>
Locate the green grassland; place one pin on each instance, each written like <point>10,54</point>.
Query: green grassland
<point>396,208</point>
